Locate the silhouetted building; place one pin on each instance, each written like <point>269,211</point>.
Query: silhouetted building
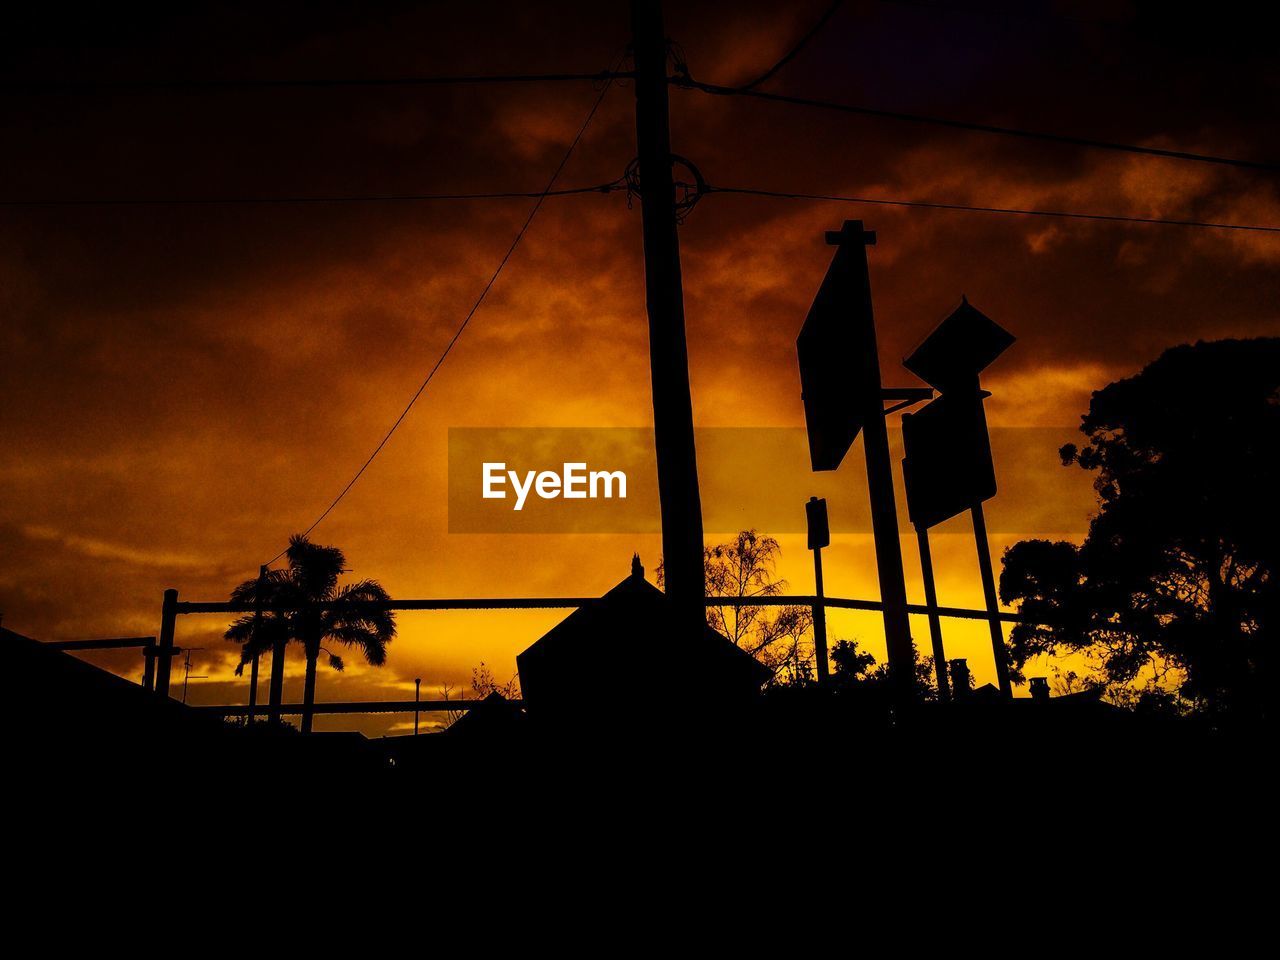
<point>494,716</point>
<point>74,723</point>
<point>1040,689</point>
<point>625,657</point>
<point>65,701</point>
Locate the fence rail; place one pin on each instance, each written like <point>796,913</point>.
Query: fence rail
<point>159,656</point>
<point>353,706</point>
<point>112,643</point>
<point>566,603</point>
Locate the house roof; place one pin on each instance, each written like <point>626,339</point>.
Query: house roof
<point>494,715</point>
<point>629,638</point>
<point>58,690</point>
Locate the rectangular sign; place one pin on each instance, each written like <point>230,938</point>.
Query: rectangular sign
<point>947,466</point>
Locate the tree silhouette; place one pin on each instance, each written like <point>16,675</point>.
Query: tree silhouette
<point>1176,582</point>
<point>854,668</point>
<point>779,637</point>
<point>262,631</point>
<point>313,609</point>
<point>849,663</point>
<point>483,682</point>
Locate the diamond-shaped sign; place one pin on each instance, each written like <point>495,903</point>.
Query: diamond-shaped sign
<point>961,347</point>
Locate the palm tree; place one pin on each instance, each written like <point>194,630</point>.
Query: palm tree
<point>310,607</point>
<point>262,631</point>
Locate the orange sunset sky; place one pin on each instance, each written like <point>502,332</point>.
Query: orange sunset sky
<point>182,387</point>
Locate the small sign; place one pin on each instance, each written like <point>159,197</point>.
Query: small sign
<point>819,529</point>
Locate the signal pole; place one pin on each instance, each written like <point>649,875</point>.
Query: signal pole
<point>678,495</point>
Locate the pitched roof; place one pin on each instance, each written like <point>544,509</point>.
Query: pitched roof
<point>60,691</point>
<point>629,643</point>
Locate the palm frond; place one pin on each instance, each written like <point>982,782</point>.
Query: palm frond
<point>371,644</point>
<point>363,604</point>
<point>240,630</point>
<point>314,568</point>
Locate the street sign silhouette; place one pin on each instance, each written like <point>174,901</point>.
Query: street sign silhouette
<point>959,349</point>
<point>947,467</point>
<point>840,380</point>
<point>839,368</point>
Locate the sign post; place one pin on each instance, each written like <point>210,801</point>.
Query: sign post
<point>992,601</point>
<point>819,537</point>
<point>935,622</point>
<point>840,379</point>
<point>947,467</point>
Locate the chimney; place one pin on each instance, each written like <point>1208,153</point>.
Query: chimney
<point>959,679</point>
<point>637,568</point>
<point>1040,689</point>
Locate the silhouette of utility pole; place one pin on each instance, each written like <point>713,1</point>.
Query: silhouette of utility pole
<point>417,698</point>
<point>682,545</point>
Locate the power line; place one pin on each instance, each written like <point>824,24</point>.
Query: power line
<point>352,198</point>
<point>1005,13</point>
<point>257,83</point>
<point>687,82</point>
<point>800,45</point>
<point>466,320</point>
<point>968,208</point>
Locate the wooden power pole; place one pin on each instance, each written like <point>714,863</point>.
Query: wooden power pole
<point>668,352</point>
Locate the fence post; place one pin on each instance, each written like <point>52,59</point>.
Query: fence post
<point>168,620</point>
